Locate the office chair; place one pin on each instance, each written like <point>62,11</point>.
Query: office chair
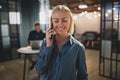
<point>89,38</point>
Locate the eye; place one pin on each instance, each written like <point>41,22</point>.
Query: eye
<point>65,21</point>
<point>55,21</point>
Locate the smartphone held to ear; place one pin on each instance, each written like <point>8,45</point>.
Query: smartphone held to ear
<point>51,35</point>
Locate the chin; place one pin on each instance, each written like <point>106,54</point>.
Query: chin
<point>60,33</point>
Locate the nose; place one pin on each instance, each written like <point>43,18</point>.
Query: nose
<point>60,23</point>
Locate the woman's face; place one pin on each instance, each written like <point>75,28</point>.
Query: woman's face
<point>61,22</point>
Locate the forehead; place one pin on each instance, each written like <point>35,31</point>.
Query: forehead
<point>37,26</point>
<point>60,14</point>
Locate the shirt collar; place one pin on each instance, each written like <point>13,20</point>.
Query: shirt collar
<point>71,40</point>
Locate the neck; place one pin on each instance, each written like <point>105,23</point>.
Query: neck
<point>61,37</point>
<point>61,40</point>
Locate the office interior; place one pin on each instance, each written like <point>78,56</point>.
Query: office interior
<point>96,26</point>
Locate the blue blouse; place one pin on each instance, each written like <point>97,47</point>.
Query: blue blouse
<point>67,64</point>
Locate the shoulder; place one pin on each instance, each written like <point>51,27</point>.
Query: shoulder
<point>32,31</point>
<point>77,44</point>
<point>42,32</point>
<point>78,48</point>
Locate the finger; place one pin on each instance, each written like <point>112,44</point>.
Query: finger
<point>50,31</point>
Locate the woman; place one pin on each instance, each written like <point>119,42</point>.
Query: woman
<point>61,57</point>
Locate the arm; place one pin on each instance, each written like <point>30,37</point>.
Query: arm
<point>43,58</point>
<point>44,34</point>
<point>81,65</point>
<point>45,54</point>
<point>29,37</point>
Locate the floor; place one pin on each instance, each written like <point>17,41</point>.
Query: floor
<point>13,70</point>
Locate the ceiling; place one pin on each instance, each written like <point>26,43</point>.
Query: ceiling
<point>73,4</point>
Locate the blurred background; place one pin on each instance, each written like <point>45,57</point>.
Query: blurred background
<point>97,26</point>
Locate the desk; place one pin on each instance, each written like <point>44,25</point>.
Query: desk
<point>26,51</point>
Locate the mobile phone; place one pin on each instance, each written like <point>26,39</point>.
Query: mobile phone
<point>51,35</point>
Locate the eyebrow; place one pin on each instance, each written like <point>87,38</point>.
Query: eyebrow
<point>62,18</point>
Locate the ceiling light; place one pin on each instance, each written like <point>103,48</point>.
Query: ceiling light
<point>0,6</point>
<point>99,15</point>
<point>85,12</point>
<point>82,6</point>
<point>106,14</point>
<point>114,8</point>
<point>94,12</point>
<point>99,8</point>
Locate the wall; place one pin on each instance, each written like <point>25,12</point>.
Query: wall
<point>29,15</point>
<point>87,22</point>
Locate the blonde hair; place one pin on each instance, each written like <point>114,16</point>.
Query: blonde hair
<point>67,10</point>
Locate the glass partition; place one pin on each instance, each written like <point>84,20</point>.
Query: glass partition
<point>109,65</point>
<point>9,29</point>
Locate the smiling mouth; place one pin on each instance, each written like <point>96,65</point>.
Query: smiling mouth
<point>60,29</point>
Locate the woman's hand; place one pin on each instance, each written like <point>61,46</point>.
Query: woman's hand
<point>49,37</point>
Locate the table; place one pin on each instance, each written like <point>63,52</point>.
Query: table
<point>26,51</point>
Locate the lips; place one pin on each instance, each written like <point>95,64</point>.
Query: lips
<point>60,29</point>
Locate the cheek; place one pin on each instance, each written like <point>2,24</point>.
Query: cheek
<point>68,25</point>
<point>54,26</point>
